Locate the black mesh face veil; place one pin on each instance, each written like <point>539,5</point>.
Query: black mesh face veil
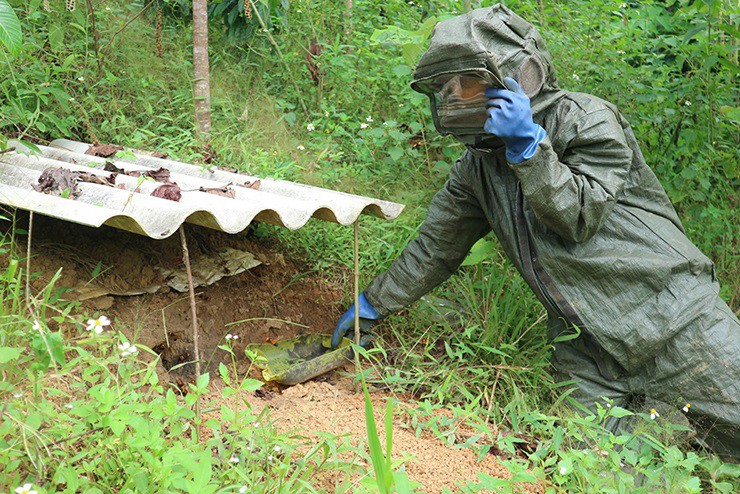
<point>458,101</point>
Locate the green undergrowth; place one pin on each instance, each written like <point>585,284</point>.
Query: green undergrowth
<point>81,413</point>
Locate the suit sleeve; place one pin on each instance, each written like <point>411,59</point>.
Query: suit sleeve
<point>573,194</point>
<point>454,222</point>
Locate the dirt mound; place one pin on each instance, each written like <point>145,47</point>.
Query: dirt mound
<point>280,298</point>
<point>113,272</point>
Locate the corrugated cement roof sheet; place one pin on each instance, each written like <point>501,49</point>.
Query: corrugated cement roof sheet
<point>275,201</point>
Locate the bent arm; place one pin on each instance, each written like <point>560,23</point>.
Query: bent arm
<point>574,194</point>
<point>454,222</point>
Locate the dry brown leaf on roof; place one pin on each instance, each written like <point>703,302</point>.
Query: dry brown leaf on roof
<point>169,190</point>
<point>97,179</point>
<point>224,191</point>
<point>56,181</point>
<point>251,185</point>
<point>159,175</point>
<point>103,150</point>
<point>111,167</point>
<point>63,182</point>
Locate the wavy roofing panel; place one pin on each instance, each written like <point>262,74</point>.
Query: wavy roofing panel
<point>278,202</point>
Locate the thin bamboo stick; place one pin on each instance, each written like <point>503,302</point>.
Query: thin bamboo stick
<point>194,315</point>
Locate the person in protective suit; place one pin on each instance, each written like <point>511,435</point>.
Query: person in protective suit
<point>559,178</point>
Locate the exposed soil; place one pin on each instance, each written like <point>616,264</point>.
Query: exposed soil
<point>278,299</point>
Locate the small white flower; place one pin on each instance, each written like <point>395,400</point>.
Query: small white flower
<point>98,324</point>
<point>256,424</point>
<point>37,325</point>
<point>369,119</point>
<point>687,103</point>
<point>17,395</point>
<point>233,459</point>
<point>622,5</point>
<point>127,349</point>
<point>107,8</point>
<point>310,127</point>
<point>243,488</point>
<point>276,449</point>
<point>686,407</point>
<point>265,30</point>
<point>326,113</point>
<point>400,105</point>
<point>563,470</point>
<point>363,125</point>
<point>72,99</point>
<point>301,147</point>
<point>385,123</point>
<point>69,405</point>
<point>576,77</point>
<point>81,79</point>
<point>608,405</point>
<point>653,414</point>
<point>269,458</point>
<point>25,489</point>
<point>621,52</point>
<point>299,11</point>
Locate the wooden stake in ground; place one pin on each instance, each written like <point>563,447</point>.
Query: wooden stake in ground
<point>357,293</point>
<point>194,315</point>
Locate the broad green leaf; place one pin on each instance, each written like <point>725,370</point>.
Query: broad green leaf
<point>10,28</point>
<point>56,38</point>
<point>8,354</point>
<point>481,251</point>
<point>252,384</point>
<point>203,381</point>
<point>395,153</point>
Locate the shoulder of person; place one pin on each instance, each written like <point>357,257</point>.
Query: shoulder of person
<point>579,113</point>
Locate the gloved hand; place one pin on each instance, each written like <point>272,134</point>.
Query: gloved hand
<point>510,119</point>
<point>368,316</point>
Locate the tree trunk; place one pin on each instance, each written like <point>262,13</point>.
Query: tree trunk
<point>201,81</point>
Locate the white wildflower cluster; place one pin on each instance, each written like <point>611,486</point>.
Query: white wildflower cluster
<point>232,336</point>
<point>25,489</point>
<point>127,349</point>
<point>301,147</point>
<point>98,325</point>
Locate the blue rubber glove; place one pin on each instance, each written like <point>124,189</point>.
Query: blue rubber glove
<point>510,119</point>
<point>368,316</point>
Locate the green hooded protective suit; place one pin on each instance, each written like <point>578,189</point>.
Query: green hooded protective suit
<point>589,227</point>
